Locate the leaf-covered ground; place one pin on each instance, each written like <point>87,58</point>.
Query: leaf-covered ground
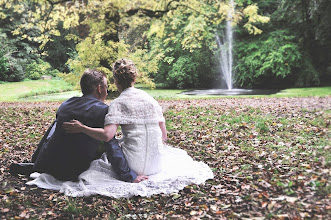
<point>270,158</point>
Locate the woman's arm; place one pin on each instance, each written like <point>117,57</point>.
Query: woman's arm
<point>164,131</point>
<point>102,134</point>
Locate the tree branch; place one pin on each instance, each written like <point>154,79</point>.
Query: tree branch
<point>151,13</point>
<point>58,2</point>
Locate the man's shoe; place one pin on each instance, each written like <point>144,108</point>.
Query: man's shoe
<point>21,168</point>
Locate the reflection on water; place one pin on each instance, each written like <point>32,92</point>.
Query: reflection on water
<point>232,92</point>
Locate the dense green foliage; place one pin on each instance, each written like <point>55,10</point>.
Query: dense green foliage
<point>267,60</point>
<point>4,66</point>
<point>277,42</point>
<point>19,50</point>
<point>184,42</point>
<point>292,50</point>
<point>99,29</point>
<point>59,50</point>
<point>11,66</point>
<point>12,62</point>
<point>39,68</point>
<point>13,51</point>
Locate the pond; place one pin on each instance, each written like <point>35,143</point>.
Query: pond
<point>232,92</point>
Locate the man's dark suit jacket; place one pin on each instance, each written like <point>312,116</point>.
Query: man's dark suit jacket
<point>65,155</point>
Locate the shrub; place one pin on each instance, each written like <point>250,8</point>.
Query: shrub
<point>183,73</point>
<point>4,66</point>
<point>307,75</point>
<point>39,68</point>
<point>11,69</point>
<point>189,70</point>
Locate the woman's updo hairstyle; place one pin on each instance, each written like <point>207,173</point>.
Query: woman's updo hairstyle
<point>125,72</point>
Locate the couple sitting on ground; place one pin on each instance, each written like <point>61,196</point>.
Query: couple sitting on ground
<point>139,163</point>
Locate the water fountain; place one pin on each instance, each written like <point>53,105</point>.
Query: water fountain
<point>225,45</point>
<point>226,58</point>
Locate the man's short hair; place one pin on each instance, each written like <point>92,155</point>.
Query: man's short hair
<point>90,79</point>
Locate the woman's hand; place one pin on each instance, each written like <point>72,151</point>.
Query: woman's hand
<point>73,126</point>
<point>164,131</point>
<point>140,178</point>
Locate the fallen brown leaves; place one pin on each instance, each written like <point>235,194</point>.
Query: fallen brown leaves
<point>270,158</point>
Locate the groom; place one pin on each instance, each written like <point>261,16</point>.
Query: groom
<point>65,156</point>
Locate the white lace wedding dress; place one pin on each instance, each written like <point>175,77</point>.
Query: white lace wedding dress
<point>169,169</point>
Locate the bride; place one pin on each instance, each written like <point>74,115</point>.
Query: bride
<point>142,123</point>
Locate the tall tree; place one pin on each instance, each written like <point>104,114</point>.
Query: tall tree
<point>310,21</point>
<point>292,51</point>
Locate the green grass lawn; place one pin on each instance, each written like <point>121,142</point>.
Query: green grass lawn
<point>58,90</point>
<point>33,90</point>
<point>304,92</point>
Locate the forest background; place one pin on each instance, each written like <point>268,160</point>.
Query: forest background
<point>278,43</point>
